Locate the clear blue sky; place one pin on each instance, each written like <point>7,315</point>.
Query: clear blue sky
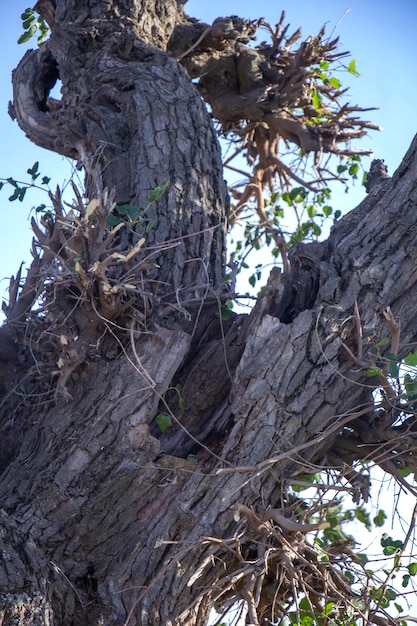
<point>380,35</point>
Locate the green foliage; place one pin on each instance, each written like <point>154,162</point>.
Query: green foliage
<point>380,518</point>
<point>20,188</point>
<point>156,193</point>
<point>410,386</point>
<point>125,213</point>
<point>399,374</point>
<point>362,516</point>
<point>310,479</point>
<point>351,68</point>
<point>336,516</point>
<point>33,24</point>
<point>390,546</point>
<point>384,596</point>
<point>226,310</point>
<point>350,166</point>
<point>411,359</point>
<point>297,215</point>
<point>163,421</point>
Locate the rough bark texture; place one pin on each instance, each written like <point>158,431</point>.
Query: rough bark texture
<point>99,527</point>
<point>132,118</point>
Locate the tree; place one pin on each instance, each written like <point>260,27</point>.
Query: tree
<point>118,369</point>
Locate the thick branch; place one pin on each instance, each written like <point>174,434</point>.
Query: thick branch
<point>33,79</point>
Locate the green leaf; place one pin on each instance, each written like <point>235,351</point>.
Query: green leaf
<point>113,221</point>
<point>164,422</point>
<point>406,580</point>
<point>379,519</point>
<point>404,471</point>
<point>150,226</point>
<point>363,558</point>
<point>32,170</point>
<point>315,100</point>
<point>411,359</point>
<point>373,371</point>
<point>353,169</point>
<point>381,343</point>
<point>412,568</point>
<point>193,458</point>
<point>32,25</point>
<point>351,68</point>
<point>28,34</point>
<point>225,313</point>
<point>311,211</point>
<point>362,516</point>
<point>389,595</point>
<point>387,540</point>
<point>306,478</point>
<point>127,211</point>
<point>18,194</point>
<point>45,180</point>
<point>25,37</point>
<point>180,398</point>
<point>298,194</point>
<point>328,608</point>
<point>28,22</point>
<point>393,369</point>
<point>351,578</point>
<point>410,384</point>
<point>158,191</point>
<point>335,82</point>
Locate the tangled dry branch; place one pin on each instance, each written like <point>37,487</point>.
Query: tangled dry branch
<point>90,269</point>
<point>272,99</point>
<point>278,567</point>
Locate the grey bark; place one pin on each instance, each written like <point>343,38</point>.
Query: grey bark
<point>111,529</point>
<point>131,117</point>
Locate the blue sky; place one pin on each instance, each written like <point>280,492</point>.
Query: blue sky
<point>380,35</point>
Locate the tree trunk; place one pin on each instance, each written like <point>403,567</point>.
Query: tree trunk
<point>105,519</point>
<point>133,119</point>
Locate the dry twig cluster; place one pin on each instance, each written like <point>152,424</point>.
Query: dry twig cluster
<point>84,277</point>
<point>272,100</point>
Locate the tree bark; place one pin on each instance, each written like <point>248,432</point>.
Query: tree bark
<point>131,117</point>
<point>105,519</point>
